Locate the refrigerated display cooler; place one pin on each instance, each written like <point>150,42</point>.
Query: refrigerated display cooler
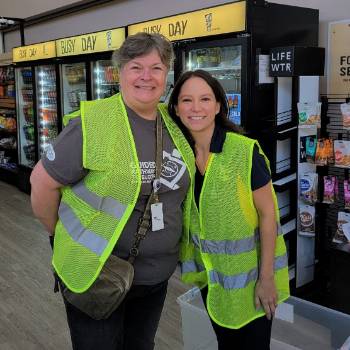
<point>8,125</point>
<point>233,42</point>
<point>37,93</point>
<point>48,124</point>
<point>74,86</point>
<point>224,63</point>
<point>25,111</point>
<point>105,79</point>
<point>86,69</point>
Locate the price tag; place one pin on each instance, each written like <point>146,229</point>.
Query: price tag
<point>157,216</point>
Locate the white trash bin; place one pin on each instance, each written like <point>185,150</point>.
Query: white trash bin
<point>298,325</point>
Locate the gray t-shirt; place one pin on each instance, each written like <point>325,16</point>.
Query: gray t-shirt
<point>159,250</point>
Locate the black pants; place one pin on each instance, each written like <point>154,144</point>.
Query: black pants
<point>254,336</point>
<point>132,326</point>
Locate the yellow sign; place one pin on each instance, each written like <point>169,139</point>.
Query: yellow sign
<point>215,20</point>
<point>339,58</point>
<point>90,43</point>
<point>34,52</point>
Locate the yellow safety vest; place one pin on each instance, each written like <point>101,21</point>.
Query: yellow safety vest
<point>93,212</point>
<point>223,248</point>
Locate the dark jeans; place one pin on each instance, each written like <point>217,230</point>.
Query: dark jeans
<point>254,336</point>
<point>132,326</point>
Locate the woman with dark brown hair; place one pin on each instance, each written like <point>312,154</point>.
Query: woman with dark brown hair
<point>235,251</point>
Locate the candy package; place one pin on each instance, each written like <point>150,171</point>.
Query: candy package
<point>346,194</point>
<point>307,220</point>
<point>342,153</point>
<point>329,189</point>
<point>321,152</point>
<point>308,187</point>
<point>324,152</point>
<point>309,113</point>
<point>342,235</point>
<point>330,151</point>
<point>345,111</point>
<point>311,144</point>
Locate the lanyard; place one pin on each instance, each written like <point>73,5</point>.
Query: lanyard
<point>159,157</point>
<point>145,220</point>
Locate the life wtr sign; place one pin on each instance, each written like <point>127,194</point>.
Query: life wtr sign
<point>281,62</point>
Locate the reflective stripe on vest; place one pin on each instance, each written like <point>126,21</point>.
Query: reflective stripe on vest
<point>79,233</point>
<point>231,247</point>
<point>224,246</point>
<point>243,279</point>
<point>235,281</point>
<point>106,204</point>
<point>191,266</point>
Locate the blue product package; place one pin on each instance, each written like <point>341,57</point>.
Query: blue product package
<point>234,104</point>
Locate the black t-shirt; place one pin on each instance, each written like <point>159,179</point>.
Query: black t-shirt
<point>260,173</point>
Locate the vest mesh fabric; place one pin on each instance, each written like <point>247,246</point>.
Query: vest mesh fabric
<point>228,214</point>
<point>114,179</point>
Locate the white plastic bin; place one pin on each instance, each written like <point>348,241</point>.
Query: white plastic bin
<point>302,325</point>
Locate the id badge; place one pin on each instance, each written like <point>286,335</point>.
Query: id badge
<point>157,216</point>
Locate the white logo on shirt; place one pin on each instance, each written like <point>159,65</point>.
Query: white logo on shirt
<point>173,169</point>
<point>50,153</point>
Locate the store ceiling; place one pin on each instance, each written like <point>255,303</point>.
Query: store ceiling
<point>329,10</point>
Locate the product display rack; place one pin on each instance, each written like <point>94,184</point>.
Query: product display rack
<point>297,85</point>
<point>8,126</point>
<point>333,257</point>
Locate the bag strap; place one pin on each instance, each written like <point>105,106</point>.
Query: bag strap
<point>145,220</point>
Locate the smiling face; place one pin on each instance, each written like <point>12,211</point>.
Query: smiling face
<point>197,106</point>
<point>143,81</point>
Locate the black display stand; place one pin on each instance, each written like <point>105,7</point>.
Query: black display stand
<point>287,65</point>
<point>333,272</point>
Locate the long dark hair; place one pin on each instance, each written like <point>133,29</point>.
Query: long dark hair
<point>220,96</point>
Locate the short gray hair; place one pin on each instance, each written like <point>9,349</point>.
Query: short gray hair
<point>141,44</point>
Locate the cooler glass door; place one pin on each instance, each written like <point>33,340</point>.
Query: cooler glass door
<point>73,84</point>
<point>105,79</point>
<point>26,134</point>
<point>169,85</point>
<point>224,63</point>
<point>45,77</point>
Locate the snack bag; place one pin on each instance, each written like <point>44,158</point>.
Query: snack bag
<point>321,156</point>
<point>336,189</point>
<point>309,113</point>
<point>342,224</point>
<point>346,194</point>
<point>329,188</point>
<point>342,153</point>
<point>307,220</point>
<point>345,111</point>
<point>311,143</point>
<point>329,151</point>
<point>308,187</point>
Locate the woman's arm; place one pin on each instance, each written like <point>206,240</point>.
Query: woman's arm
<point>45,197</point>
<point>265,290</point>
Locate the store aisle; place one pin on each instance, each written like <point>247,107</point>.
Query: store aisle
<point>31,316</point>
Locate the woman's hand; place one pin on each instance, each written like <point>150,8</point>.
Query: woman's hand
<point>266,296</point>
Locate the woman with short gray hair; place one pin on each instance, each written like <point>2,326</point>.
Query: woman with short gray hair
<point>116,158</point>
